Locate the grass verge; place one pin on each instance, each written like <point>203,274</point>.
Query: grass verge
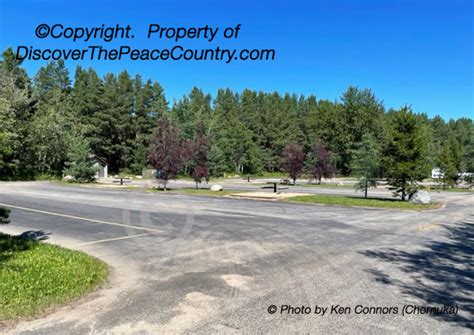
<point>360,202</point>
<point>35,276</point>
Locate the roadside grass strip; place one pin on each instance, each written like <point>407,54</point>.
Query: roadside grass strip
<point>35,276</point>
<point>360,202</point>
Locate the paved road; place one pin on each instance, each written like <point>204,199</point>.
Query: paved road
<point>185,264</point>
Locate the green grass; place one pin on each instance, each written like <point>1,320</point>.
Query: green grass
<point>359,202</point>
<point>208,192</point>
<point>35,276</point>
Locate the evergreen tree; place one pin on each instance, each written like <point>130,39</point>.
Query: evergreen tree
<point>362,113</point>
<point>50,79</point>
<point>235,150</point>
<point>463,131</point>
<point>193,111</point>
<point>365,163</point>
<point>124,115</point>
<point>405,156</point>
<point>450,161</point>
<point>79,163</point>
<point>103,134</point>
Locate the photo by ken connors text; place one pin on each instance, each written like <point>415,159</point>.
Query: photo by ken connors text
<point>408,309</point>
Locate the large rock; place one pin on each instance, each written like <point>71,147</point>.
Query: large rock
<point>68,178</point>
<point>216,188</point>
<point>421,198</point>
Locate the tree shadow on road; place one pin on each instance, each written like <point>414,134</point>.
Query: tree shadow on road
<point>440,273</point>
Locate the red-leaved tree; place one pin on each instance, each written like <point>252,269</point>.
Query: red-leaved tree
<point>198,155</point>
<point>168,150</point>
<point>292,161</point>
<point>322,167</point>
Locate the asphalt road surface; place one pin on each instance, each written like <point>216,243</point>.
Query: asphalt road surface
<point>194,264</point>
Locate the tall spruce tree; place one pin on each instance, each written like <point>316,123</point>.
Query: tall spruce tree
<point>450,162</point>
<point>79,163</point>
<point>405,155</point>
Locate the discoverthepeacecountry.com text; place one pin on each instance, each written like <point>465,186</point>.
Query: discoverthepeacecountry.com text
<point>155,32</point>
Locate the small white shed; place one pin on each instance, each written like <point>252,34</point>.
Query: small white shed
<point>102,168</point>
<point>436,173</point>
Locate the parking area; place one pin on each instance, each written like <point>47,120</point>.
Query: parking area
<point>184,263</point>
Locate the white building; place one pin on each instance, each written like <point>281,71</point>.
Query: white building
<point>436,173</point>
<point>102,168</point>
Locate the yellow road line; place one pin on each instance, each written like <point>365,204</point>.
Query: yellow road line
<point>82,218</point>
<point>111,239</point>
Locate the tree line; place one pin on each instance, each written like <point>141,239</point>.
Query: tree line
<point>51,122</point>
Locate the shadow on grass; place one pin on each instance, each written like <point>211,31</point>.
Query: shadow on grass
<point>441,273</point>
<point>10,245</point>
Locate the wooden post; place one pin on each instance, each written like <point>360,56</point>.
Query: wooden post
<point>274,187</point>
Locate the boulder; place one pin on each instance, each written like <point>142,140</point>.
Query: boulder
<point>68,178</point>
<point>421,198</point>
<point>216,188</point>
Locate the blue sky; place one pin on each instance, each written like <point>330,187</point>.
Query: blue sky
<point>417,52</point>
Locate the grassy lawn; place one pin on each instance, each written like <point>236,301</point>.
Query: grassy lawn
<point>352,201</point>
<point>36,275</point>
<point>202,191</point>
